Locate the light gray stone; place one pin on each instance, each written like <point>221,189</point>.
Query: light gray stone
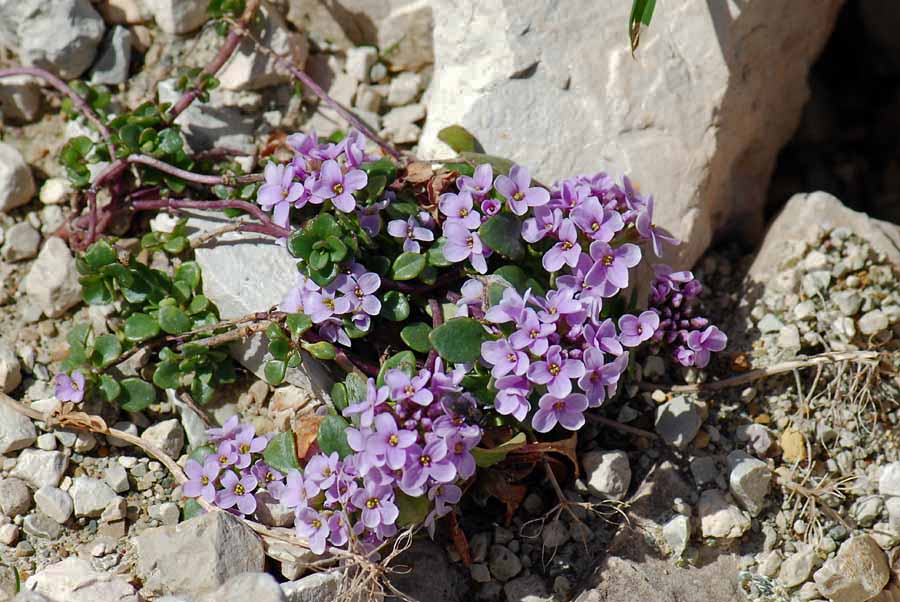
<point>9,534</point>
<point>796,568</point>
<point>857,573</point>
<point>126,427</point>
<point>889,482</point>
<point>607,473</point>
<point>848,302</point>
<point>116,477</point>
<point>178,16</point>
<point>167,513</point>
<point>359,61</point>
<point>318,587</point>
<point>504,564</point>
<point>52,282</point>
<point>749,481</point>
<point>16,182</point>
<point>532,83</point>
<point>47,442</point>
<point>61,36</point>
<point>554,534</point>
<point>678,421</point>
<point>527,588</point>
<point>115,56</point>
<point>167,436</point>
<point>55,191</point>
<point>677,533</point>
<point>400,124</point>
<point>218,545</point>
<point>54,502</point>
<point>90,496</point>
<point>270,512</point>
<point>868,509</point>
<point>247,273</point>
<point>74,580</point>
<point>873,322</point>
<point>769,323</point>
<point>42,526</point>
<point>16,430</point>
<point>258,587</point>
<point>720,518</point>
<point>21,242</point>
<point>404,89</point>
<point>39,468</point>
<point>250,68</point>
<point>15,498</point>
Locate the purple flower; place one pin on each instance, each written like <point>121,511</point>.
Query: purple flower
<point>377,505</point>
<point>442,382</point>
<point>323,470</point>
<point>504,358</point>
<point>279,192</point>
<point>490,206</point>
<point>337,186</point>
<point>556,372</point>
<point>704,342</point>
<point>648,230</point>
<point>321,305</point>
<point>227,454</point>
<point>429,462</point>
<point>237,492</point>
<point>338,532</point>
<point>296,491</point>
<point>360,293</point>
<point>201,479</point>
<point>480,184</point>
<point>634,330</point>
<point>512,396</point>
<point>459,449</point>
<point>601,379</point>
<point>572,195</point>
<point>518,191</point>
<point>314,528</point>
<point>532,334</point>
<point>566,251</point>
<point>390,442</point>
<point>595,221</point>
<point>545,222</point>
<point>410,231</point>
<point>463,244</point>
<point>568,411</point>
<point>458,209</point>
<point>558,303</point>
<point>248,443</point>
<point>402,387</point>
<point>70,388</point>
<point>610,272</point>
<point>604,337</point>
<point>444,495</point>
<point>510,308</point>
<point>374,401</point>
<point>227,432</point>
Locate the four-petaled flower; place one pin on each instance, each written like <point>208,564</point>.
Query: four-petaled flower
<point>201,479</point>
<point>459,210</point>
<point>280,192</point>
<point>703,342</point>
<point>610,271</point>
<point>556,372</point>
<point>411,231</point>
<point>70,388</point>
<point>338,187</point>
<point>463,244</point>
<point>504,358</point>
<point>516,188</point>
<point>634,330</point>
<point>237,491</point>
<point>566,251</point>
<point>566,411</point>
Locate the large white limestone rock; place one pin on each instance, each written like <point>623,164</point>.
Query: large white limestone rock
<point>696,118</point>
<point>245,273</point>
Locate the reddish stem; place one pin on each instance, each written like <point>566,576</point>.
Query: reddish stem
<point>63,87</point>
<point>231,43</point>
<point>271,228</point>
<point>189,176</point>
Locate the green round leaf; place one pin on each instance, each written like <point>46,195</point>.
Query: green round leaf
<point>416,337</point>
<point>167,375</point>
<point>95,291</point>
<point>458,138</point>
<point>298,324</point>
<point>407,266</point>
<point>274,372</point>
<point>99,254</point>
<point>395,306</point>
<point>191,509</point>
<point>279,348</point>
<point>458,340</point>
<point>109,388</point>
<point>189,273</point>
<point>281,453</point>
<point>173,320</point>
<point>413,510</point>
<point>405,360</point>
<point>323,350</point>
<point>107,349</point>
<point>137,394</point>
<point>436,254</point>
<point>333,436</point>
<point>503,233</point>
<point>140,327</point>
<point>339,396</point>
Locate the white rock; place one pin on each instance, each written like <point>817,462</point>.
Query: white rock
<point>857,573</point>
<point>20,98</point>
<point>61,36</point>
<point>52,282</point>
<point>16,430</point>
<point>359,60</point>
<point>116,477</point>
<point>205,125</point>
<point>796,568</point>
<point>54,502</point>
<point>15,498</point>
<point>112,65</point>
<point>22,242</point>
<point>748,481</point>
<point>46,442</point>
<point>74,580</point>
<point>9,534</point>
<point>258,587</point>
<point>167,513</point>
<point>720,518</point>
<point>677,533</point>
<point>678,421</point>
<point>178,16</point>
<point>367,99</point>
<point>16,183</point>
<point>124,12</point>
<point>532,89</point>
<point>399,124</point>
<point>90,496</point>
<point>251,69</point>
<point>607,473</point>
<point>873,322</point>
<point>166,435</point>
<point>271,512</point>
<point>248,274</point>
<point>404,89</point>
<point>770,564</point>
<point>38,468</point>
<point>889,482</point>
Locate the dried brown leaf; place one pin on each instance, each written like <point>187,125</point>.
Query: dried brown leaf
<point>306,431</point>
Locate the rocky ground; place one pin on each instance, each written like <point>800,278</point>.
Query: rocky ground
<point>783,487</point>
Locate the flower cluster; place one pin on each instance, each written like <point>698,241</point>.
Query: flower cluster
<point>317,174</point>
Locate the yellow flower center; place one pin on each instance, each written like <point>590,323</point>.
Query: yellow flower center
<point>409,389</point>
<point>608,260</point>
<point>317,524</point>
<point>239,489</point>
<point>393,440</point>
<point>204,480</point>
<point>554,369</point>
<point>372,503</point>
<point>519,196</point>
<point>338,188</point>
<point>463,212</point>
<point>358,292</point>
<point>559,405</point>
<point>425,460</point>
<point>245,448</point>
<point>511,357</point>
<point>567,245</point>
<point>595,226</point>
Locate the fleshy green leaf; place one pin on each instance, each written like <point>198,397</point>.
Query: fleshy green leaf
<point>395,306</point>
<point>109,387</point>
<point>436,254</point>
<point>489,457</point>
<point>298,324</point>
<point>458,138</point>
<point>173,320</point>
<point>140,327</point>
<point>416,336</point>
<point>107,349</point>
<point>281,453</point>
<point>279,348</point>
<point>503,233</point>
<point>458,340</point>
<point>167,375</point>
<point>356,385</point>
<point>94,290</point>
<point>191,509</point>
<point>323,350</point>
<point>405,360</point>
<point>100,254</point>
<point>408,265</point>
<point>339,396</point>
<point>275,371</point>
<point>137,394</point>
<point>413,510</point>
<point>333,436</point>
<point>189,273</point>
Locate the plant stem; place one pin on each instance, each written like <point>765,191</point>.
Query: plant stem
<point>63,87</point>
<point>267,226</point>
<point>189,176</point>
<point>231,43</point>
